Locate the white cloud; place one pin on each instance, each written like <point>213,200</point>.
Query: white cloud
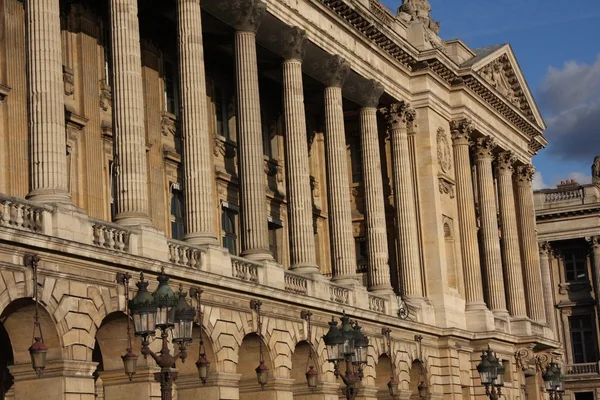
<point>571,96</point>
<point>538,181</point>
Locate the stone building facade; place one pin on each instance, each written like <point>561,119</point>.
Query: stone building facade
<point>323,155</point>
<point>568,222</point>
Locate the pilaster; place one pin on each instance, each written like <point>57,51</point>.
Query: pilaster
<point>529,247</point>
<point>255,243</point>
<point>128,115</point>
<point>302,243</point>
<point>197,160</point>
<point>545,252</point>
<point>378,271</point>
<point>48,147</point>
<point>595,253</point>
<point>489,227</point>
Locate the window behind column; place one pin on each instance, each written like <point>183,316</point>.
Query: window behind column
<point>107,53</point>
<point>177,223</point>
<point>355,158</point>
<point>583,338</point>
<point>274,231</point>
<point>228,229</point>
<point>171,87</point>
<point>575,264</point>
<point>112,180</point>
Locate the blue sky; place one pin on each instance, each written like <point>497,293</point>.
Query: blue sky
<point>558,49</point>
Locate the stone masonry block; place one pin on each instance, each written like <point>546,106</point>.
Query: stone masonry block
<point>79,321</point>
<point>66,304</point>
<point>60,288</point>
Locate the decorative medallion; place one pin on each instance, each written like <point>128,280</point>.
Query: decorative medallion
<point>443,151</point>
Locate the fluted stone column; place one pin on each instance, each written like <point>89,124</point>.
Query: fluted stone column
<point>128,114</point>
<point>492,258</point>
<point>253,215</point>
<point>302,238</point>
<point>197,158</point>
<point>340,216</point>
<point>378,271</point>
<point>530,257</point>
<point>595,253</point>
<point>399,116</point>
<point>48,147</point>
<point>513,272</point>
<point>461,132</point>
<point>545,252</point>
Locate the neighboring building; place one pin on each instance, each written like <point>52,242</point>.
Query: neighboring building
<point>568,223</point>
<point>256,149</point>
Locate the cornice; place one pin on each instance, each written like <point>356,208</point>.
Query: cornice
<point>556,213</point>
<point>438,63</point>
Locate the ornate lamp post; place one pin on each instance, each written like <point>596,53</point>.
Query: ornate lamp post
<point>347,344</point>
<point>166,311</point>
<point>311,374</point>
<point>491,373</point>
<point>554,381</point>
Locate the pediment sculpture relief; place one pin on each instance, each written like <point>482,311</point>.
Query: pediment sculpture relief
<point>418,10</point>
<point>500,75</point>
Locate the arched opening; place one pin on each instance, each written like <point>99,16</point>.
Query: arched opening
<point>383,375</point>
<point>418,380</point>
<point>6,359</point>
<point>248,360</point>
<point>301,362</point>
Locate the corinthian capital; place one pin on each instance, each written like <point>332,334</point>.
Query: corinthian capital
<point>332,71</point>
<point>525,174</point>
<point>247,14</point>
<point>399,115</point>
<point>545,249</point>
<point>505,162</point>
<point>461,131</point>
<point>367,93</point>
<point>484,147</point>
<point>292,43</point>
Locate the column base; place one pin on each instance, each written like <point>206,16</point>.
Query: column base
<point>200,238</point>
<point>520,326</point>
<point>50,196</point>
<point>257,255</point>
<point>133,218</point>
<point>479,318</point>
<point>383,290</point>
<point>345,280</point>
<point>305,269</point>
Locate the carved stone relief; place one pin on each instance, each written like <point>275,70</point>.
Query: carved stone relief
<point>105,96</point>
<point>446,187</point>
<point>443,151</point>
<point>168,125</point>
<point>68,81</point>
<point>501,76</point>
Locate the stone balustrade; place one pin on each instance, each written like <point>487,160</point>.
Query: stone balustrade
<point>22,214</point>
<point>563,195</point>
<point>182,253</point>
<point>377,304</point>
<point>110,236</point>
<point>244,269</point>
<point>296,283</point>
<point>582,369</point>
<point>339,294</point>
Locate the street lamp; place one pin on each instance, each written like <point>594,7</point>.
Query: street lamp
<point>38,350</point>
<point>554,381</point>
<point>491,373</point>
<point>166,311</point>
<point>347,344</point>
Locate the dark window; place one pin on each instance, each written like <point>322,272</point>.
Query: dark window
<point>575,265</point>
<point>582,339</point>
<point>356,159</point>
<point>171,89</point>
<point>360,245</point>
<point>177,225</point>
<point>107,55</point>
<point>112,179</point>
<point>222,111</point>
<point>228,231</point>
<point>273,247</point>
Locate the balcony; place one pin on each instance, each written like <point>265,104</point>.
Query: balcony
<point>581,370</point>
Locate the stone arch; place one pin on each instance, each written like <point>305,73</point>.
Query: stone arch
<point>300,364</point>
<point>193,350</point>
<point>418,378</point>
<point>248,360</point>
<point>6,359</point>
<point>383,374</point>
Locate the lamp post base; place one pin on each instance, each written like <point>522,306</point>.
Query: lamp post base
<point>166,379</point>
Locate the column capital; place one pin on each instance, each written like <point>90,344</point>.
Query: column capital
<point>594,242</point>
<point>368,93</point>
<point>545,248</point>
<point>505,162</point>
<point>247,14</point>
<point>461,131</point>
<point>484,147</point>
<point>333,71</point>
<point>292,41</point>
<point>399,115</point>
<point>525,174</point>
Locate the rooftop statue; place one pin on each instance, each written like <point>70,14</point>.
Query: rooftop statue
<point>596,170</point>
<point>419,10</point>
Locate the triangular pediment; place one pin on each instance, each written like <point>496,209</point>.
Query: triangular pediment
<point>498,67</point>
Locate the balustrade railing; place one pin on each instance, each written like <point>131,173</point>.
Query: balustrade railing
<point>110,236</point>
<point>376,304</point>
<point>339,294</point>
<point>181,253</point>
<point>244,269</point>
<point>21,214</point>
<point>582,369</point>
<point>296,283</point>
<point>562,195</point>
